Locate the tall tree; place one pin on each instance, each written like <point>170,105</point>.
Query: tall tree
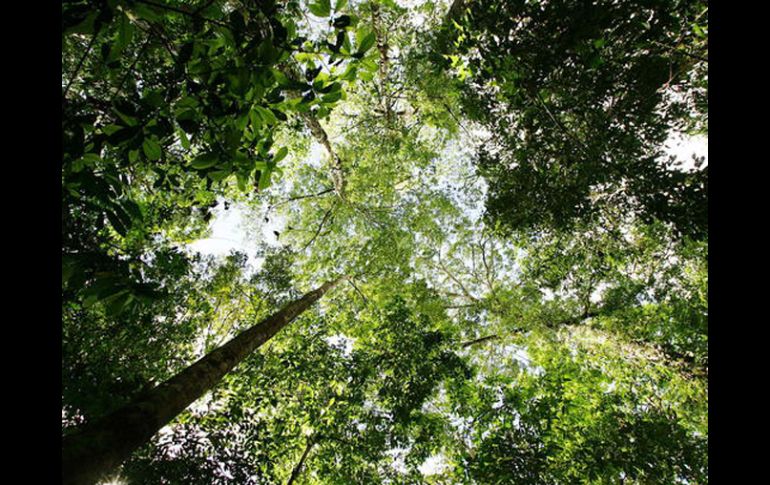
<point>563,338</point>
<point>92,452</point>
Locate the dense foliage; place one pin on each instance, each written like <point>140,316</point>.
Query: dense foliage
<point>527,299</point>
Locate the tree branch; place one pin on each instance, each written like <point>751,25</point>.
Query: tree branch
<point>478,340</point>
<point>298,468</point>
<point>320,226</point>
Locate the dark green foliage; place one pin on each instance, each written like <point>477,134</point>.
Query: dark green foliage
<point>527,291</point>
<point>578,98</point>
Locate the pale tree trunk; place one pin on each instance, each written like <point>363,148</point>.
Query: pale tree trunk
<point>382,46</point>
<point>319,133</point>
<point>98,448</point>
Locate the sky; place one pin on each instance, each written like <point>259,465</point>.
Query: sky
<point>228,231</point>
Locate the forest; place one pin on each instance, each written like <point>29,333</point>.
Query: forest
<point>475,242</point>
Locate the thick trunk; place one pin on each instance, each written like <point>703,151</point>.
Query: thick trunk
<point>100,447</point>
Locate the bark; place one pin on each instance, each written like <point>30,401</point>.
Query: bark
<point>455,10</point>
<point>478,341</point>
<point>382,47</point>
<point>100,447</point>
<point>298,468</point>
<point>319,133</point>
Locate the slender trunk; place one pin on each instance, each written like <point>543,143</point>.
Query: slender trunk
<point>319,133</point>
<point>298,468</point>
<point>100,447</point>
<point>382,46</point>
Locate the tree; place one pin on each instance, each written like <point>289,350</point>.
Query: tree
<point>96,449</point>
<point>579,98</point>
<point>527,299</point>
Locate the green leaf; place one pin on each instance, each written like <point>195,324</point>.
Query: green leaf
<point>116,223</point>
<point>111,129</point>
<point>204,161</point>
<point>340,4</point>
<point>151,149</point>
<point>364,40</point>
<point>128,120</point>
<point>241,181</point>
<point>698,30</point>
<point>256,120</point>
<point>266,115</point>
<point>117,303</point>
<point>218,175</point>
<point>183,140</point>
<point>346,48</point>
<point>332,97</point>
<point>321,8</point>
<point>264,178</point>
<point>122,39</point>
<point>350,73</point>
<point>366,75</point>
<point>133,156</point>
<point>145,12</point>
<point>280,154</point>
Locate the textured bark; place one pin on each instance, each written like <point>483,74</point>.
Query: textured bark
<point>382,47</point>
<point>319,133</point>
<point>100,447</point>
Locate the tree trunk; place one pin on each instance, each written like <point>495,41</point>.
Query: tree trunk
<point>319,133</point>
<point>298,468</point>
<point>100,447</point>
<point>382,46</point>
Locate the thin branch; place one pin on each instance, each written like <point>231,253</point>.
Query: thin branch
<point>319,133</point>
<point>182,11</point>
<point>298,468</point>
<point>80,65</point>
<point>679,51</point>
<point>299,197</point>
<point>366,300</point>
<point>455,307</point>
<point>479,340</point>
<point>131,68</point>
<point>320,226</point>
<point>382,47</point>
<point>452,277</point>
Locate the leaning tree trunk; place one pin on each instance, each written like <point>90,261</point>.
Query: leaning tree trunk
<point>100,447</point>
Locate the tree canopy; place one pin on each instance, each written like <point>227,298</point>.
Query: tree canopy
<point>523,259</point>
